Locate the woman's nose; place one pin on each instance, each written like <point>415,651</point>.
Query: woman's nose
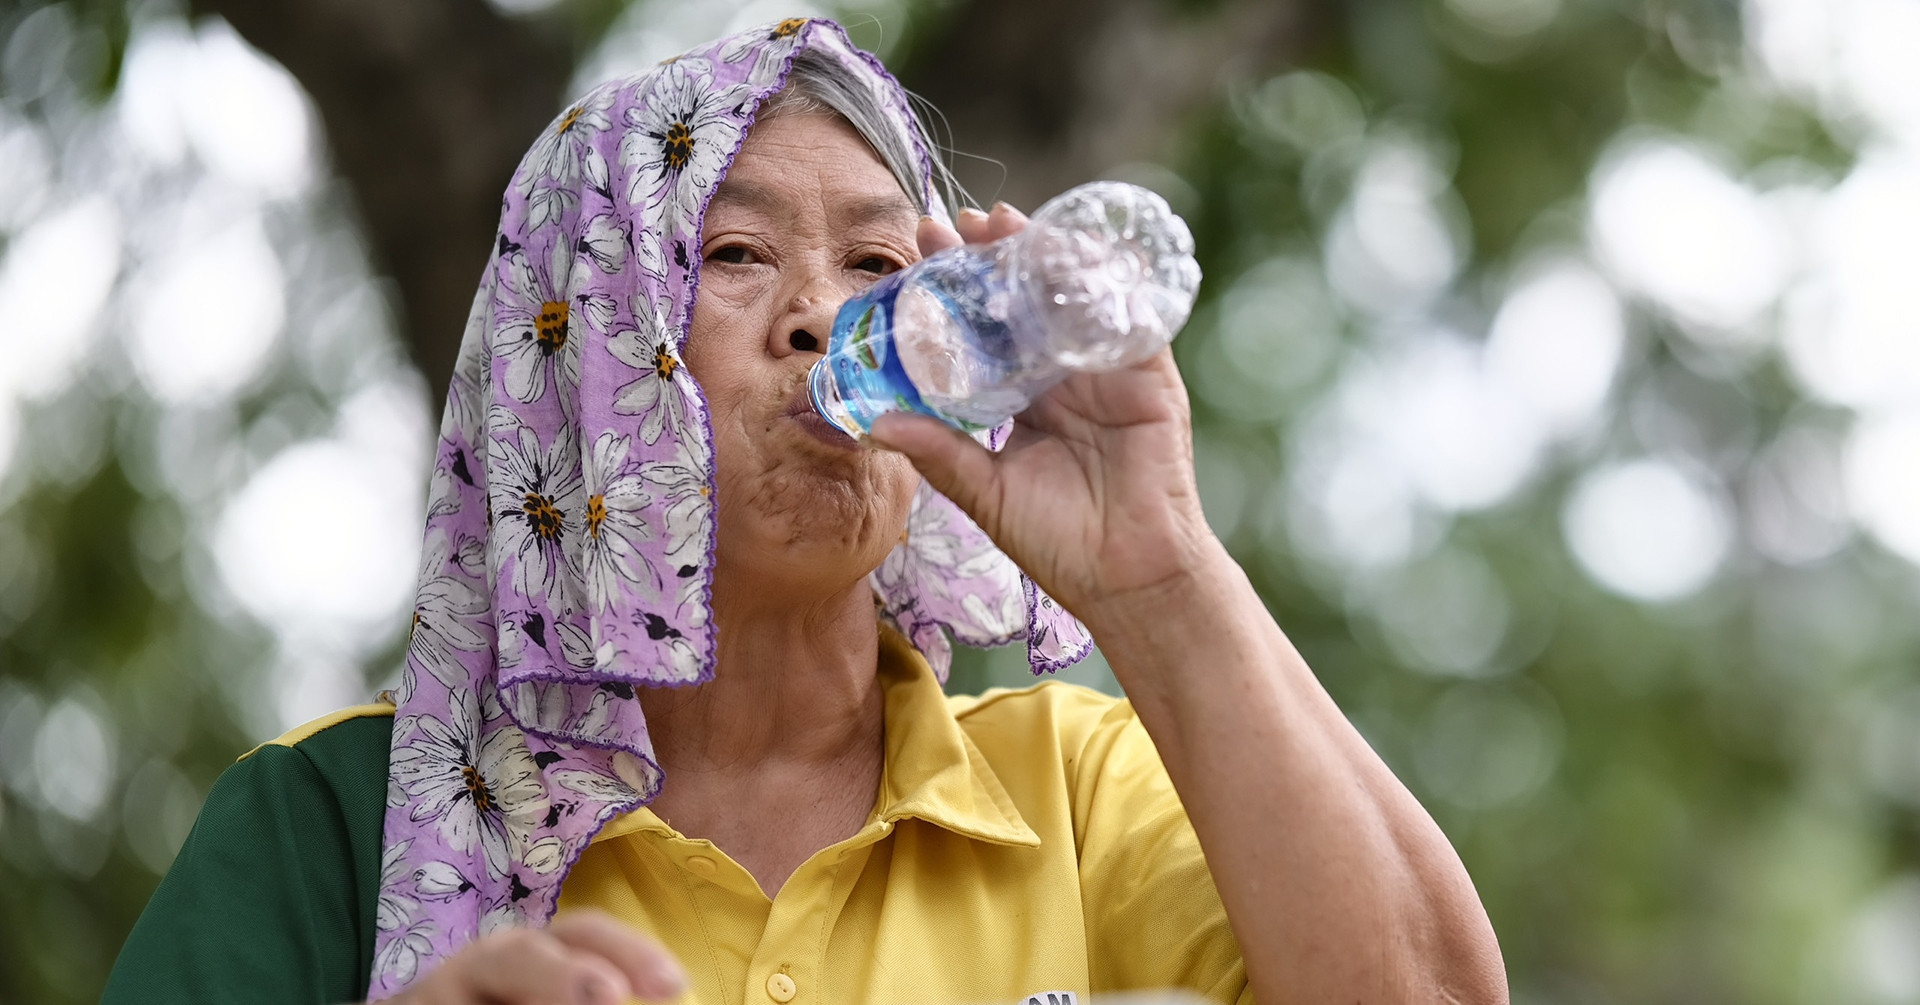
<point>808,319</point>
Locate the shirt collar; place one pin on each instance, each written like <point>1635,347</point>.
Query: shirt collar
<point>933,771</point>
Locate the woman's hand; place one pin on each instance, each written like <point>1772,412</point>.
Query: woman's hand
<point>1094,493</point>
<point>583,958</point>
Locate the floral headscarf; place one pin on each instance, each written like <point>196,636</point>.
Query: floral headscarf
<point>570,526</point>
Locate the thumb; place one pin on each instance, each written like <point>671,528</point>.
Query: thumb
<point>950,461</point>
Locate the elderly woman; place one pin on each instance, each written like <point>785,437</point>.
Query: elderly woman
<point>671,719</point>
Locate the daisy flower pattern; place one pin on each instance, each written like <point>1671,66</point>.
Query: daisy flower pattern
<point>467,392</point>
<point>688,494</point>
<point>394,909</point>
<point>610,243</point>
<point>534,322</point>
<point>551,172</point>
<point>445,614</point>
<point>678,143</point>
<point>768,47</point>
<point>478,791</point>
<point>538,501</point>
<point>943,548</point>
<point>663,393</point>
<point>676,658</point>
<point>615,525</point>
<point>398,960</point>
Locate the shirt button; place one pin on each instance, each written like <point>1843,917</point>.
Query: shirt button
<point>781,988</point>
<point>701,865</point>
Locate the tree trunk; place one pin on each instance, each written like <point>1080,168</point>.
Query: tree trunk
<point>428,106</point>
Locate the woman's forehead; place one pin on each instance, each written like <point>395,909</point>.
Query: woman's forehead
<point>796,162</point>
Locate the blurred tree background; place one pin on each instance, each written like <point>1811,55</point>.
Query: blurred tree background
<point>1556,376</point>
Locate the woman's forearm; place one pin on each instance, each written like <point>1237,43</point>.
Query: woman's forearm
<point>1339,886</point>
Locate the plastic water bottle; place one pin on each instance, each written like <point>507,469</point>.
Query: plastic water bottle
<point>1102,277</point>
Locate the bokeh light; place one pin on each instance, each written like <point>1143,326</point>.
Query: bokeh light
<point>1883,478</point>
<point>1397,243</point>
<point>73,769</point>
<point>1647,529</point>
<point>208,312</point>
<point>53,283</point>
<point>209,93</point>
<point>1673,225</point>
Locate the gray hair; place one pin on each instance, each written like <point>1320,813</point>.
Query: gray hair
<point>819,83</point>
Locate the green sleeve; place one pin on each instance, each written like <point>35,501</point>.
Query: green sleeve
<point>272,897</point>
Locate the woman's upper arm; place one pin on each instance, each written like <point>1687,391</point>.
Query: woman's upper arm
<point>1154,917</point>
<point>261,903</point>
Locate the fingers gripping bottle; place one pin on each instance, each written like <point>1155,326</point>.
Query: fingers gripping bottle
<point>1102,277</point>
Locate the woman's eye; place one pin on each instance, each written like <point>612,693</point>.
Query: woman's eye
<point>733,254</point>
<point>875,264</point>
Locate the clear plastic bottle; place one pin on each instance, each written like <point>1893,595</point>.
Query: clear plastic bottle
<point>1102,277</point>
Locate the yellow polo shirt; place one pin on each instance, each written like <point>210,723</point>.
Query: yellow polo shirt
<point>1024,843</point>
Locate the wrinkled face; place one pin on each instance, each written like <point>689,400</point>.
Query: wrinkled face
<point>806,217</point>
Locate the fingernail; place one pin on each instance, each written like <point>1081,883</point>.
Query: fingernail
<point>970,213</point>
<point>1003,207</point>
<point>926,218</point>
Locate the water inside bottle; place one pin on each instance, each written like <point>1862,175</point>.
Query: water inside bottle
<point>933,347</point>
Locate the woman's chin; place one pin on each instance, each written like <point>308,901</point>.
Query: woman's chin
<point>824,499</point>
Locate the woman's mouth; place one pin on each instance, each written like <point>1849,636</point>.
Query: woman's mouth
<point>800,410</point>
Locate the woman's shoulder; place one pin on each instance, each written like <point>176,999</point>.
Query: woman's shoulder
<point>350,745</point>
<point>1071,715</point>
<point>334,765</point>
<point>1047,698</point>
<point>273,895</point>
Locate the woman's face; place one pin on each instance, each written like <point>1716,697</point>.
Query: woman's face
<point>806,217</point>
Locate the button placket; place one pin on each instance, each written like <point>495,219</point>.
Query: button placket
<point>794,936</point>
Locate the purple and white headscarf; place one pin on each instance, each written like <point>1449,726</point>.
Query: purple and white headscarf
<point>570,526</point>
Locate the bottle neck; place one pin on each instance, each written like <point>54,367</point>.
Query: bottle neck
<point>827,400</point>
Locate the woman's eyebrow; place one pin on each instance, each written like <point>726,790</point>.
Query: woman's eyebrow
<point>748,195</point>
<point>861,211</point>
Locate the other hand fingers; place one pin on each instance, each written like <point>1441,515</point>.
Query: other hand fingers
<point>528,967</point>
<point>1003,221</point>
<point>975,227</point>
<point>648,967</point>
<point>933,236</point>
<point>972,225</point>
<point>950,461</point>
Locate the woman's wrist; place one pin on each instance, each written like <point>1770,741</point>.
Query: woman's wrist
<point>1206,593</point>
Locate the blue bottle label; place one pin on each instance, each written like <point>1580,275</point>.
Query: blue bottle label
<point>871,379</point>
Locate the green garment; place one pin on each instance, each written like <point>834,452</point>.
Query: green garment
<point>272,896</point>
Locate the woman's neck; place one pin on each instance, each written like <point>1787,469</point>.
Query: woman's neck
<point>794,683</point>
<point>781,753</point>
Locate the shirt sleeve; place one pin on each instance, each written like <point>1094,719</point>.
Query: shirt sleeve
<point>1154,917</point>
<point>260,904</point>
